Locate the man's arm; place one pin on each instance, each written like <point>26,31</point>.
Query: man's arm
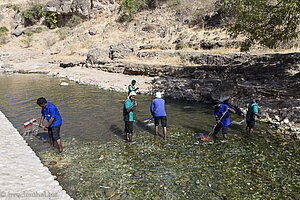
<point>230,109</point>
<point>130,88</point>
<point>255,111</point>
<point>50,122</point>
<point>216,114</point>
<point>130,108</point>
<point>152,108</point>
<point>52,117</point>
<point>41,122</point>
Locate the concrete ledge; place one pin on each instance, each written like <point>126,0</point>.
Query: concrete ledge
<point>22,175</point>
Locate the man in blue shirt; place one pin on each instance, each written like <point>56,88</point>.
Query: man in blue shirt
<point>252,114</point>
<point>131,87</point>
<point>220,110</point>
<point>129,104</point>
<point>51,113</point>
<point>158,112</point>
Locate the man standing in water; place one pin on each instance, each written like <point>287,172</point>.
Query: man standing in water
<point>129,104</point>
<point>158,112</point>
<point>252,114</point>
<point>220,110</point>
<point>51,113</point>
<point>131,87</point>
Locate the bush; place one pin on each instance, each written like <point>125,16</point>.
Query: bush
<point>3,30</point>
<point>129,8</point>
<point>13,6</point>
<point>198,19</point>
<point>74,21</point>
<point>33,14</point>
<point>27,41</point>
<point>38,29</point>
<point>29,34</point>
<point>51,19</point>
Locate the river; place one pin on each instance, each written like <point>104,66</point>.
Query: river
<point>98,164</point>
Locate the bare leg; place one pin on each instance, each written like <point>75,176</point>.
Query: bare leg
<point>225,136</point>
<point>250,131</point>
<point>156,130</point>
<point>51,141</point>
<point>130,138</point>
<point>59,145</point>
<point>165,132</point>
<point>126,136</point>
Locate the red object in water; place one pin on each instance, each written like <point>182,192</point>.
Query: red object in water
<point>205,139</point>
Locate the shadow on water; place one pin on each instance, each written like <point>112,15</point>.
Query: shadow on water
<point>144,127</point>
<point>43,136</point>
<point>117,131</point>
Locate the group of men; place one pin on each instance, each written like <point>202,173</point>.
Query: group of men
<point>51,114</point>
<point>157,110</point>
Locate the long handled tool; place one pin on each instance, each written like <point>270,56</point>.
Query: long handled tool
<point>208,138</point>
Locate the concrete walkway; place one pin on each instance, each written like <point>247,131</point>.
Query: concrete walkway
<point>22,175</point>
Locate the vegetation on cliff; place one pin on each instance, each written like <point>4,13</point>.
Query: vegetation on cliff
<point>266,22</point>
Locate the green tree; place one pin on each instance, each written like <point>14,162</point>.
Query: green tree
<point>266,22</point>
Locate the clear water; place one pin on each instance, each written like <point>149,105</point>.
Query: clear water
<point>99,164</point>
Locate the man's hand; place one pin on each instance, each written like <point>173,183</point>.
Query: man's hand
<point>135,103</point>
<point>231,110</point>
<point>45,128</point>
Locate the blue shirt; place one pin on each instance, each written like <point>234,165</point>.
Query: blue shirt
<point>128,116</point>
<point>252,108</point>
<point>158,108</point>
<point>131,88</point>
<point>219,111</point>
<point>52,111</point>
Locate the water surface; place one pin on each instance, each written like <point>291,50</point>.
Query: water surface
<point>98,163</point>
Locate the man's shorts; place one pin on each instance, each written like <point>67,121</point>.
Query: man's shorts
<point>163,120</point>
<point>251,124</point>
<point>54,132</point>
<point>129,127</point>
<point>219,127</point>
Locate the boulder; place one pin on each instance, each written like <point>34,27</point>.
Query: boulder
<point>69,8</point>
<point>93,31</point>
<point>123,49</point>
<point>98,55</point>
<point>81,7</point>
<point>17,32</point>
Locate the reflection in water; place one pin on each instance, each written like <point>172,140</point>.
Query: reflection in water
<point>98,164</point>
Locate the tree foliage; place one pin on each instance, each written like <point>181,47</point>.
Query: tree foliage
<point>33,14</point>
<point>267,22</point>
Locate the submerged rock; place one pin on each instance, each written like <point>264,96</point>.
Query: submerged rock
<point>109,192</point>
<point>64,83</point>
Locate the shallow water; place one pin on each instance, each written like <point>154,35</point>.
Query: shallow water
<point>98,164</point>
